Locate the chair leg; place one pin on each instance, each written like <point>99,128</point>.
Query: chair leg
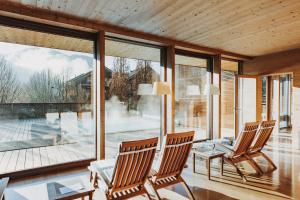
<point>148,195</point>
<point>269,160</point>
<point>237,169</point>
<point>255,166</point>
<point>156,192</point>
<point>240,173</point>
<point>188,190</point>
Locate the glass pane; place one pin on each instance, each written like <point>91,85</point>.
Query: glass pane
<point>131,111</point>
<point>46,100</point>
<point>190,101</point>
<point>275,97</point>
<point>264,98</point>
<point>227,103</point>
<point>284,101</point>
<point>247,101</point>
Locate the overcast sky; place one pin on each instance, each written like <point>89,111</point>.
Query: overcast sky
<point>27,60</point>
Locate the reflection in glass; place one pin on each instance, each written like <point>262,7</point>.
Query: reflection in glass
<point>229,71</point>
<point>190,101</point>
<point>285,118</point>
<point>264,98</point>
<point>131,111</point>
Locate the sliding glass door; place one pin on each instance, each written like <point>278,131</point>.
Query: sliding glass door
<point>281,101</point>
<point>247,100</point>
<point>229,72</point>
<point>46,99</point>
<point>285,102</point>
<point>131,110</point>
<point>191,102</point>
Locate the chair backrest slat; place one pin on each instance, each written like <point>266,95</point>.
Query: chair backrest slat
<point>133,163</point>
<point>245,138</point>
<point>263,135</point>
<point>174,154</point>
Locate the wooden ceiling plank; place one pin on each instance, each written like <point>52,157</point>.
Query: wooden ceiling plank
<point>162,13</point>
<point>203,16</point>
<point>277,42</point>
<point>8,7</point>
<point>238,17</point>
<point>144,13</point>
<point>275,12</point>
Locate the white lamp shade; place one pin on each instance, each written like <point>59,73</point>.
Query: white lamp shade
<point>211,89</point>
<point>144,89</point>
<point>161,88</point>
<point>193,90</point>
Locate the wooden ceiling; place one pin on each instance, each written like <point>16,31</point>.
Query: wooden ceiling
<point>249,27</point>
<point>33,38</point>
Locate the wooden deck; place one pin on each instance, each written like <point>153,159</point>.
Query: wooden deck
<point>18,131</point>
<point>17,160</point>
<point>79,146</point>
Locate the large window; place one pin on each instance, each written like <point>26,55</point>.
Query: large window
<point>191,102</point>
<point>247,100</point>
<point>229,70</point>
<point>46,99</point>
<point>131,111</point>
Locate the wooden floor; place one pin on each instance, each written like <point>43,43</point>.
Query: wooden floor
<point>285,180</point>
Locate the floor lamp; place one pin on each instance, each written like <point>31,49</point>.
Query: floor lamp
<point>161,89</point>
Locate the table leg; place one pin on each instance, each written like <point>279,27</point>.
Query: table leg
<point>222,165</point>
<point>91,176</point>
<point>194,163</point>
<point>96,180</point>
<point>91,196</point>
<point>208,168</point>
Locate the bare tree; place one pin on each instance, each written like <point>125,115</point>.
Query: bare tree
<point>144,72</point>
<point>47,87</point>
<point>118,85</point>
<point>44,87</point>
<point>9,86</point>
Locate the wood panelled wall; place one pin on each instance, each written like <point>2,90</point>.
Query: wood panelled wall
<point>282,62</point>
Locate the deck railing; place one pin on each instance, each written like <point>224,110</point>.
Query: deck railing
<point>35,110</point>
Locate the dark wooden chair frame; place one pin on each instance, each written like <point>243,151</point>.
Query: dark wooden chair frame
<point>131,170</point>
<point>238,153</point>
<point>172,160</point>
<point>263,135</point>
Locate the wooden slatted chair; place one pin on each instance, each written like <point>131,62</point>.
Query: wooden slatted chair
<point>127,177</point>
<point>238,153</point>
<point>172,159</point>
<point>262,136</point>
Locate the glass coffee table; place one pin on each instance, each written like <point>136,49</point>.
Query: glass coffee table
<point>207,154</point>
<point>68,189</point>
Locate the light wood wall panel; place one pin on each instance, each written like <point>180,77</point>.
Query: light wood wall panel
<point>283,62</point>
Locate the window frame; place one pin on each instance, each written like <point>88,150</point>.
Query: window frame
<point>209,72</point>
<point>61,31</point>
